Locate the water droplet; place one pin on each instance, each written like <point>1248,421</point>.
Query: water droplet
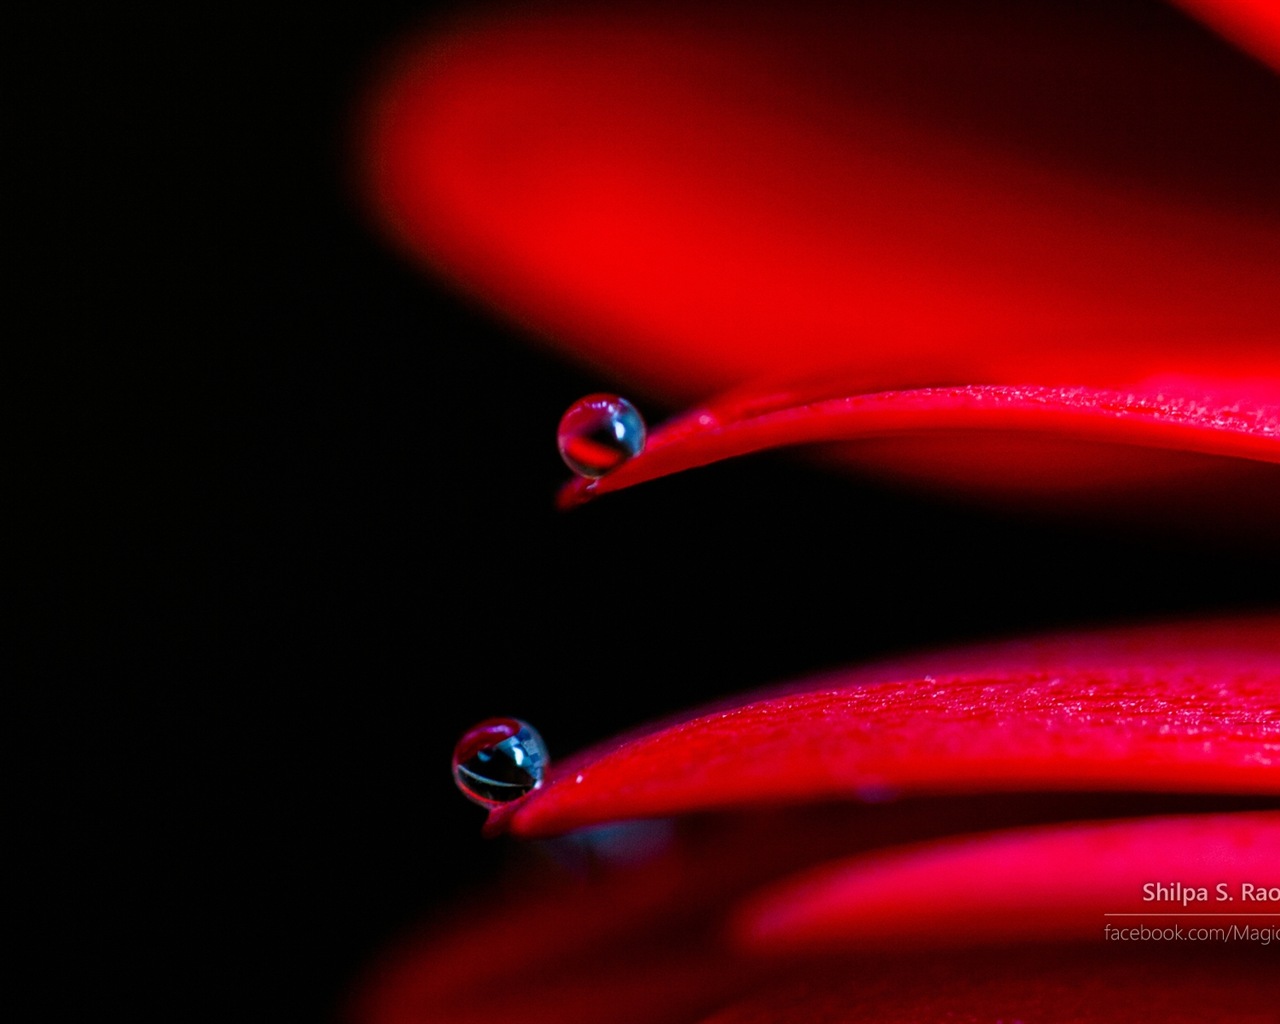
<point>599,433</point>
<point>498,761</point>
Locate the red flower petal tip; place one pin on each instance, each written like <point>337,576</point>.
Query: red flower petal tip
<point>1187,707</point>
<point>1010,438</point>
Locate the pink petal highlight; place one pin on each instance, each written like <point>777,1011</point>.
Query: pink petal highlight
<point>1054,882</point>
<point>1185,707</point>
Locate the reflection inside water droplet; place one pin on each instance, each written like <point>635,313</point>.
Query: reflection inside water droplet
<point>498,761</point>
<point>599,433</point>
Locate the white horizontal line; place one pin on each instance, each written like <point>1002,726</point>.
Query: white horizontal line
<point>1191,915</point>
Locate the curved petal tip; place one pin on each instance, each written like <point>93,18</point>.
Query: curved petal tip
<point>1186,707</point>
<point>1100,428</point>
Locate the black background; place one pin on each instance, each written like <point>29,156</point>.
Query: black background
<point>268,449</point>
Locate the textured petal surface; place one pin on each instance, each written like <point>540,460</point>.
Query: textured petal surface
<point>1187,707</point>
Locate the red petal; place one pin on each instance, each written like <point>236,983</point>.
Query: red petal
<point>1090,432</point>
<point>1254,25</point>
<point>694,197</point>
<point>1185,707</point>
<point>1059,882</point>
<point>1095,986</point>
<point>651,941</point>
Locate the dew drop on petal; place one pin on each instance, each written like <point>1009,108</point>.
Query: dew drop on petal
<point>498,761</point>
<point>599,433</point>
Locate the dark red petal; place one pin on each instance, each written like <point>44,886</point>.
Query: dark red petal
<point>1049,882</point>
<point>1158,984</point>
<point>1185,708</point>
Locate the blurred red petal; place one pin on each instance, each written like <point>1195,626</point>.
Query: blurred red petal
<point>1254,25</point>
<point>696,197</point>
<point>625,946</point>
<point>1186,707</point>
<point>1095,986</point>
<point>1049,882</point>
<point>653,940</point>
